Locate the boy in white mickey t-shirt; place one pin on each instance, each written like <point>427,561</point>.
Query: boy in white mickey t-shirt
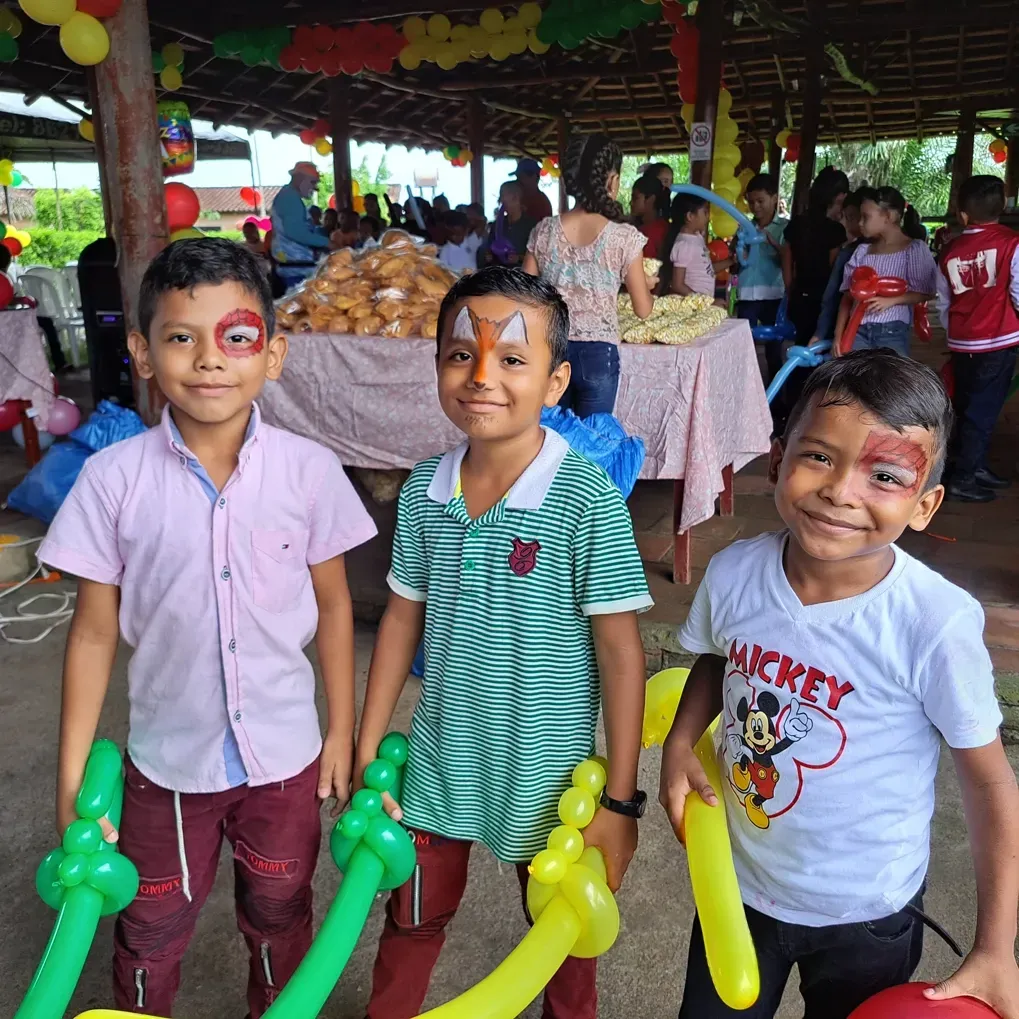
<point>838,662</point>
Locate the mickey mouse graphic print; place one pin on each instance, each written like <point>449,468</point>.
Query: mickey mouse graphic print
<point>831,725</point>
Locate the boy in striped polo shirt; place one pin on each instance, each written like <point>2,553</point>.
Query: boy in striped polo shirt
<point>515,557</point>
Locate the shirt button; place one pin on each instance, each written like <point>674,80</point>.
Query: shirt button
<point>222,502</point>
<point>225,574</point>
<point>472,533</point>
<point>237,716</point>
<point>469,565</point>
<point>232,646</point>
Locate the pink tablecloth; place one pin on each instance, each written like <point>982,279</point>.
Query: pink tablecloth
<point>24,368</point>
<point>697,407</point>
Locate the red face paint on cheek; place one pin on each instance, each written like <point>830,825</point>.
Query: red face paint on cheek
<point>892,451</point>
<point>241,322</point>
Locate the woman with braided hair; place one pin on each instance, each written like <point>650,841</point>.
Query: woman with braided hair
<point>588,253</point>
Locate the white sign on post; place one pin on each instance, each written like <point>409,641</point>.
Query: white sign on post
<point>700,141</point>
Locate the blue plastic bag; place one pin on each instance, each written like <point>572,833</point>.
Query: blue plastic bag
<point>47,484</point>
<point>600,438</point>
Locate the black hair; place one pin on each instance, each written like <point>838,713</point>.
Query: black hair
<point>519,286</point>
<point>349,221</point>
<point>763,182</point>
<point>511,184</point>
<point>589,160</point>
<point>373,225</point>
<point>855,198</point>
<point>892,200</point>
<point>683,204</point>
<point>656,168</point>
<point>203,261</point>
<point>455,218</point>
<point>651,187</point>
<point>899,391</point>
<point>982,198</point>
<point>371,194</point>
<point>476,207</point>
<point>826,187</point>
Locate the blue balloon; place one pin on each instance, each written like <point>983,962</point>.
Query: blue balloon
<point>781,331</point>
<point>798,357</point>
<point>753,235</point>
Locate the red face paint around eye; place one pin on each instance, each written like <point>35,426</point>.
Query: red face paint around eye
<point>241,322</point>
<point>892,451</point>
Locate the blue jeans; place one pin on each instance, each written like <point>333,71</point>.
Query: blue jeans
<point>594,380</point>
<point>981,388</point>
<point>872,335</point>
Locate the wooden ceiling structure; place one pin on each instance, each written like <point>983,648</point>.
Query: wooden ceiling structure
<point>924,61</point>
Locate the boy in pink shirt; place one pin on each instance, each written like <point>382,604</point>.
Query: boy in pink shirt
<point>215,544</point>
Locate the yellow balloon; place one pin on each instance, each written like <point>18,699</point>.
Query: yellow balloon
<point>568,841</point>
<point>170,78</point>
<point>741,204</point>
<point>728,189</point>
<point>439,27</point>
<point>724,102</point>
<point>782,138</point>
<point>461,49</point>
<point>172,53</point>
<point>25,237</point>
<point>87,130</point>
<point>491,20</point>
<point>686,112</point>
<point>548,867</point>
<point>535,45</point>
<point>478,38</point>
<point>576,807</point>
<point>445,57</point>
<point>722,223</point>
<point>84,39</point>
<point>5,20</point>
<point>466,155</point>
<point>746,175</point>
<point>529,14</point>
<point>428,48</point>
<point>726,131</point>
<point>590,775</point>
<point>499,48</point>
<point>355,188</point>
<point>48,12</point>
<point>459,31</point>
<point>729,152</point>
<point>15,27</point>
<point>414,28</point>
<point>6,178</point>
<point>359,207</point>
<point>513,24</point>
<point>188,231</point>
<point>661,698</point>
<point>410,57</point>
<point>722,170</point>
<point>323,146</point>
<point>517,41</point>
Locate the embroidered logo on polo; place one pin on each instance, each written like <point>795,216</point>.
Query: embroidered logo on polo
<point>524,556</point>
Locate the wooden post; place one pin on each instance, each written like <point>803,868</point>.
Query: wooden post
<point>339,121</point>
<point>476,143</point>
<point>962,165</point>
<point>125,121</point>
<point>1012,170</point>
<point>710,22</point>
<point>562,140</point>
<point>104,187</point>
<point>811,121</point>
<point>774,152</point>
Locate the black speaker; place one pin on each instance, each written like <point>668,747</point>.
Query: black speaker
<point>105,336</point>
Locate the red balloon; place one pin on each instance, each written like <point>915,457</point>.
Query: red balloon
<point>352,64</point>
<point>672,12</point>
<point>907,1002</point>
<point>364,34</point>
<point>321,127</point>
<point>308,136</point>
<point>99,8</point>
<point>332,201</point>
<point>290,58</point>
<point>332,64</point>
<point>380,63</point>
<point>248,196</point>
<point>303,39</point>
<point>345,40</point>
<point>182,206</point>
<point>312,62</point>
<point>687,81</point>
<point>6,290</point>
<point>13,245</point>
<point>1000,157</point>
<point>718,250</point>
<point>10,415</point>
<point>921,322</point>
<point>324,37</point>
<point>388,40</point>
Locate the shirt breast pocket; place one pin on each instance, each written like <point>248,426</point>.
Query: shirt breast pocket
<point>279,568</point>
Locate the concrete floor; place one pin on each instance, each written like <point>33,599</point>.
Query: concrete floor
<point>641,976</point>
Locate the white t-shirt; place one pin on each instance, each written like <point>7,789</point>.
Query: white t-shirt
<point>458,257</point>
<point>830,815</point>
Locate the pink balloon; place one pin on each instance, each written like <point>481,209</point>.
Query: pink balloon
<point>264,224</point>
<point>64,417</point>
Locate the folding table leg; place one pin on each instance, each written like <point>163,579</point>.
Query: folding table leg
<point>681,539</point>
<point>726,501</point>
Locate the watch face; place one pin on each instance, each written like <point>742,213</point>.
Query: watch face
<point>640,802</point>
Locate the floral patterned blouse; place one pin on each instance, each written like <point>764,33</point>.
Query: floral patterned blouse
<point>588,276</point>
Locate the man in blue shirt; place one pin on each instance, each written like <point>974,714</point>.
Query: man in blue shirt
<point>296,241</point>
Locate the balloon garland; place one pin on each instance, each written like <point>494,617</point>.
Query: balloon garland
<point>998,150</point>
<point>182,210</point>
<point>790,141</point>
<point>458,156</point>
<point>550,166</point>
<point>569,22</point>
<point>168,63</point>
<point>10,29</point>
<point>83,38</point>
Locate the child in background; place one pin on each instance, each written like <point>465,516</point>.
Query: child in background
<point>514,525</point>
<point>838,663</point>
<point>649,209</point>
<point>348,233</point>
<point>368,232</point>
<point>978,297</point>
<point>477,228</point>
<point>507,241</point>
<point>895,245</point>
<point>330,221</point>
<point>219,541</point>
<point>455,254</point>
<point>692,269</point>
<point>825,328</point>
<point>760,289</point>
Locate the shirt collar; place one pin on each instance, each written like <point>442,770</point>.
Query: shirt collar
<point>176,442</point>
<point>529,490</point>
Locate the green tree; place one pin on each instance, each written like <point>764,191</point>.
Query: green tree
<point>80,209</point>
<point>679,162</point>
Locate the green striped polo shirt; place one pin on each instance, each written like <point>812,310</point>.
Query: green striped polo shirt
<point>510,693</point>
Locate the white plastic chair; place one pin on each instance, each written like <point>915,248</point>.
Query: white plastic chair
<point>71,328</point>
<point>70,277</point>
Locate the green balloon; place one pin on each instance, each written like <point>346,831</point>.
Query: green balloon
<point>630,14</point>
<point>8,47</point>
<point>233,42</point>
<point>221,46</point>
<point>548,29</point>
<point>251,55</point>
<point>158,63</point>
<point>651,12</point>
<point>280,36</point>
<point>16,178</point>
<point>380,775</point>
<point>3,231</point>
<point>568,40</point>
<point>395,748</point>
<point>368,801</point>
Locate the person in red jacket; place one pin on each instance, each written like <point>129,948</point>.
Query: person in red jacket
<point>978,294</point>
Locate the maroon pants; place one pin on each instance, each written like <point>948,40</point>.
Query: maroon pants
<point>416,918</point>
<point>275,831</point>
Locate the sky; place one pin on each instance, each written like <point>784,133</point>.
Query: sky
<point>275,157</point>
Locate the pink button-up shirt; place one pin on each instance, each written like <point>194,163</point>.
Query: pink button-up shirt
<point>213,596</point>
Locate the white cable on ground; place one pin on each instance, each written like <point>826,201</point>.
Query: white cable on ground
<point>59,615</point>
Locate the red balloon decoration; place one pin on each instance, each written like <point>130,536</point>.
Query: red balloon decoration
<point>303,39</point>
<point>718,249</point>
<point>290,58</point>
<point>323,37</point>
<point>863,285</point>
<point>673,12</point>
<point>99,8</point>
<point>13,245</point>
<point>6,290</point>
<point>250,196</point>
<point>343,50</point>
<point>907,1001</point>
<point>182,206</point>
<point>999,157</point>
<point>921,322</point>
<point>308,136</point>
<point>312,62</point>
<point>10,414</point>
<point>685,47</point>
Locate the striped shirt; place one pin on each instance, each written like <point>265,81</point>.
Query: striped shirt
<point>510,693</point>
<point>915,264</point>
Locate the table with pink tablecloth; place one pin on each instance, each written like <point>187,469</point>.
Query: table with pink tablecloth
<point>700,408</point>
<point>24,367</point>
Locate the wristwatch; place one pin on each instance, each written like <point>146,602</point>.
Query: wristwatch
<point>628,808</point>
